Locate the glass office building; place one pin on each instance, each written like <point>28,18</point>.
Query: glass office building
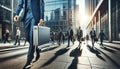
<point>105,17</point>
<point>7,11</point>
<point>115,16</point>
<point>58,13</point>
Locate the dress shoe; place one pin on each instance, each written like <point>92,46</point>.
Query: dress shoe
<point>27,66</point>
<point>38,55</point>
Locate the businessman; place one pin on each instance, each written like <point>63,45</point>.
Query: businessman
<point>79,35</point>
<point>33,12</point>
<point>70,36</point>
<point>93,36</point>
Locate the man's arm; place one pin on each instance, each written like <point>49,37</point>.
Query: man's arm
<point>20,6</point>
<point>41,9</point>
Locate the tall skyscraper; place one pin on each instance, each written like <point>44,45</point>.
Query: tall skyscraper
<point>59,13</point>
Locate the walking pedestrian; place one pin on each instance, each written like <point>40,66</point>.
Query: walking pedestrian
<point>7,34</point>
<point>59,36</point>
<point>87,39</point>
<point>17,40</point>
<point>63,37</point>
<point>79,35</point>
<point>52,37</point>
<point>93,36</point>
<point>33,13</point>
<point>101,36</point>
<point>70,36</point>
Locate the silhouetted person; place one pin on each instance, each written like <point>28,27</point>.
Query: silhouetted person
<point>87,38</point>
<point>59,36</point>
<point>79,35</point>
<point>52,37</point>
<point>33,13</point>
<point>63,37</point>
<point>7,34</point>
<point>17,40</point>
<point>70,35</point>
<point>101,36</point>
<point>93,36</point>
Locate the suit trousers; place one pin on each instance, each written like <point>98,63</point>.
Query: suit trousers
<point>28,27</point>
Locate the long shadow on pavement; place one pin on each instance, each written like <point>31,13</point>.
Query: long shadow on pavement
<point>58,53</point>
<point>75,53</point>
<point>95,51</point>
<point>108,49</point>
<point>110,58</point>
<point>6,47</point>
<point>11,50</point>
<point>18,55</point>
<point>12,57</point>
<point>112,47</point>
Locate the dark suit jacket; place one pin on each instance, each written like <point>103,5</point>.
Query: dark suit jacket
<point>37,7</point>
<point>71,33</point>
<point>92,34</point>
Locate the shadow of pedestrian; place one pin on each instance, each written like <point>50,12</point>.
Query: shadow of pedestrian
<point>95,51</point>
<point>12,57</point>
<point>58,53</point>
<point>108,49</point>
<point>112,47</point>
<point>111,59</point>
<point>11,50</point>
<point>75,53</point>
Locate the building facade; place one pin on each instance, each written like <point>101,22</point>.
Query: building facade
<point>77,16</point>
<point>7,12</point>
<point>104,15</point>
<point>59,13</point>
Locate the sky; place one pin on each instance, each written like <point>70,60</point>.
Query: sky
<point>81,4</point>
<point>83,16</point>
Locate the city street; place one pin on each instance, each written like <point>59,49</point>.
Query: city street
<point>42,22</point>
<point>63,57</point>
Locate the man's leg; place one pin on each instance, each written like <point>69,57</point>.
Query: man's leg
<point>68,41</point>
<point>8,40</point>
<point>16,40</point>
<point>29,37</point>
<point>80,41</point>
<point>4,41</point>
<point>72,40</point>
<point>92,42</point>
<point>37,53</point>
<point>102,42</point>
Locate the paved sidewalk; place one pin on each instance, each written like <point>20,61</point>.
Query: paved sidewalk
<point>63,57</point>
<point>11,44</point>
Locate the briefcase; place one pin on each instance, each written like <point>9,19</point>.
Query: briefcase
<point>41,35</point>
<point>96,39</point>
